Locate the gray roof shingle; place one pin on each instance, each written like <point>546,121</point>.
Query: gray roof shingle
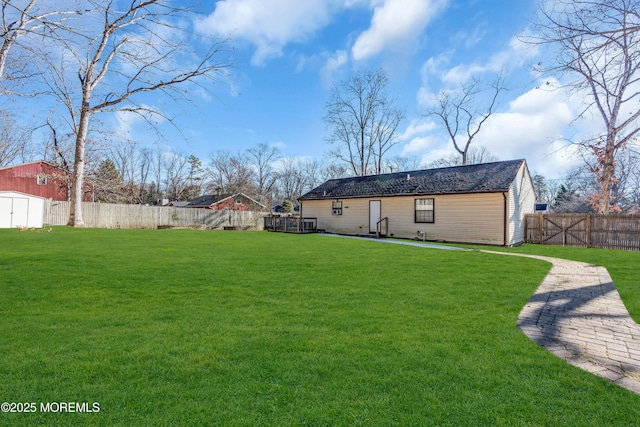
<point>479,178</point>
<point>208,200</point>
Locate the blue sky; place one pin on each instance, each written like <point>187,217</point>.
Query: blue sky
<point>289,52</point>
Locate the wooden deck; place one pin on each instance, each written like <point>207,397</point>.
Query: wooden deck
<point>290,224</point>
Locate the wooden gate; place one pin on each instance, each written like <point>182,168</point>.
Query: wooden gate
<point>586,230</point>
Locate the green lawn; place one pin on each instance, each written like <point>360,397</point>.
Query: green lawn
<point>623,266</point>
<point>182,327</point>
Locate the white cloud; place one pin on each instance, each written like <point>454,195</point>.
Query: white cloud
<point>533,128</point>
<point>420,144</point>
<point>395,23</point>
<point>417,127</point>
<point>279,145</point>
<point>269,26</point>
<point>335,61</point>
<point>515,55</point>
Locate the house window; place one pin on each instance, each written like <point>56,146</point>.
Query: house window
<point>424,210</point>
<point>238,201</point>
<point>336,207</point>
<point>41,180</point>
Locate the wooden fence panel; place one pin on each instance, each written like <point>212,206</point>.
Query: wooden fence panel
<point>106,215</point>
<point>586,230</point>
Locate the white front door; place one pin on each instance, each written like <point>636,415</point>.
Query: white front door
<point>374,215</point>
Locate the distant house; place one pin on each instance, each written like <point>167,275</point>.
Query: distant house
<point>39,178</point>
<point>483,203</point>
<point>177,204</point>
<point>277,209</point>
<point>542,207</point>
<point>234,202</point>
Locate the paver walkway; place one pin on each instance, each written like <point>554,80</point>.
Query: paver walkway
<point>578,315</point>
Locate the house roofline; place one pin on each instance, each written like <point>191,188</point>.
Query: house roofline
<point>407,195</point>
<point>227,198</point>
<point>31,163</point>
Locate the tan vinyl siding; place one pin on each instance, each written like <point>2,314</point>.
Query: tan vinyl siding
<point>522,200</point>
<point>354,218</point>
<point>471,218</point>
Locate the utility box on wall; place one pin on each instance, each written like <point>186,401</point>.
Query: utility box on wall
<point>20,210</point>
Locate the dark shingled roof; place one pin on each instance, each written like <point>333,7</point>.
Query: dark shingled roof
<point>208,200</point>
<point>480,178</point>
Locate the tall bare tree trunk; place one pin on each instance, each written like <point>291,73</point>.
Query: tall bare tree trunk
<point>608,174</point>
<point>77,191</point>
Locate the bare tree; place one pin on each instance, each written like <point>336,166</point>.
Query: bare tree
<point>20,19</point>
<point>403,163</point>
<point>15,22</point>
<point>571,193</point>
<point>363,121</point>
<point>261,159</point>
<point>626,188</point>
<point>598,43</point>
<point>176,175</point>
<point>474,155</point>
<point>291,178</point>
<point>313,172</point>
<point>133,164</point>
<point>462,114</point>
<point>231,173</point>
<point>119,53</point>
<point>13,140</point>
<point>336,171</point>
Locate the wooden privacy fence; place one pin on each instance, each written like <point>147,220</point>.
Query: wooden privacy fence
<point>106,215</point>
<point>586,230</point>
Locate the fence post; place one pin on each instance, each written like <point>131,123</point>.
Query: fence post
<point>540,226</point>
<point>589,230</point>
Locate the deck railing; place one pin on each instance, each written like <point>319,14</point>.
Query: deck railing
<point>290,224</point>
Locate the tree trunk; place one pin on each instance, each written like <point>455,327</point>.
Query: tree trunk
<point>608,172</point>
<point>77,192</point>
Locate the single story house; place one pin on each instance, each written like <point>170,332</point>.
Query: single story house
<point>482,203</point>
<point>21,210</point>
<point>234,202</point>
<point>177,204</point>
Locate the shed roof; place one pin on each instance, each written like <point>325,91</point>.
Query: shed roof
<point>479,178</point>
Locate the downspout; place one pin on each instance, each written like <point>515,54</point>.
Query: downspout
<point>505,213</point>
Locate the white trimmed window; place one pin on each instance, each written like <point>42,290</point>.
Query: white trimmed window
<point>41,180</point>
<point>424,210</point>
<point>336,207</point>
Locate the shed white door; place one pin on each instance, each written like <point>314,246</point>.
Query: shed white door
<point>20,212</point>
<point>14,212</point>
<point>374,214</point>
<point>6,210</point>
